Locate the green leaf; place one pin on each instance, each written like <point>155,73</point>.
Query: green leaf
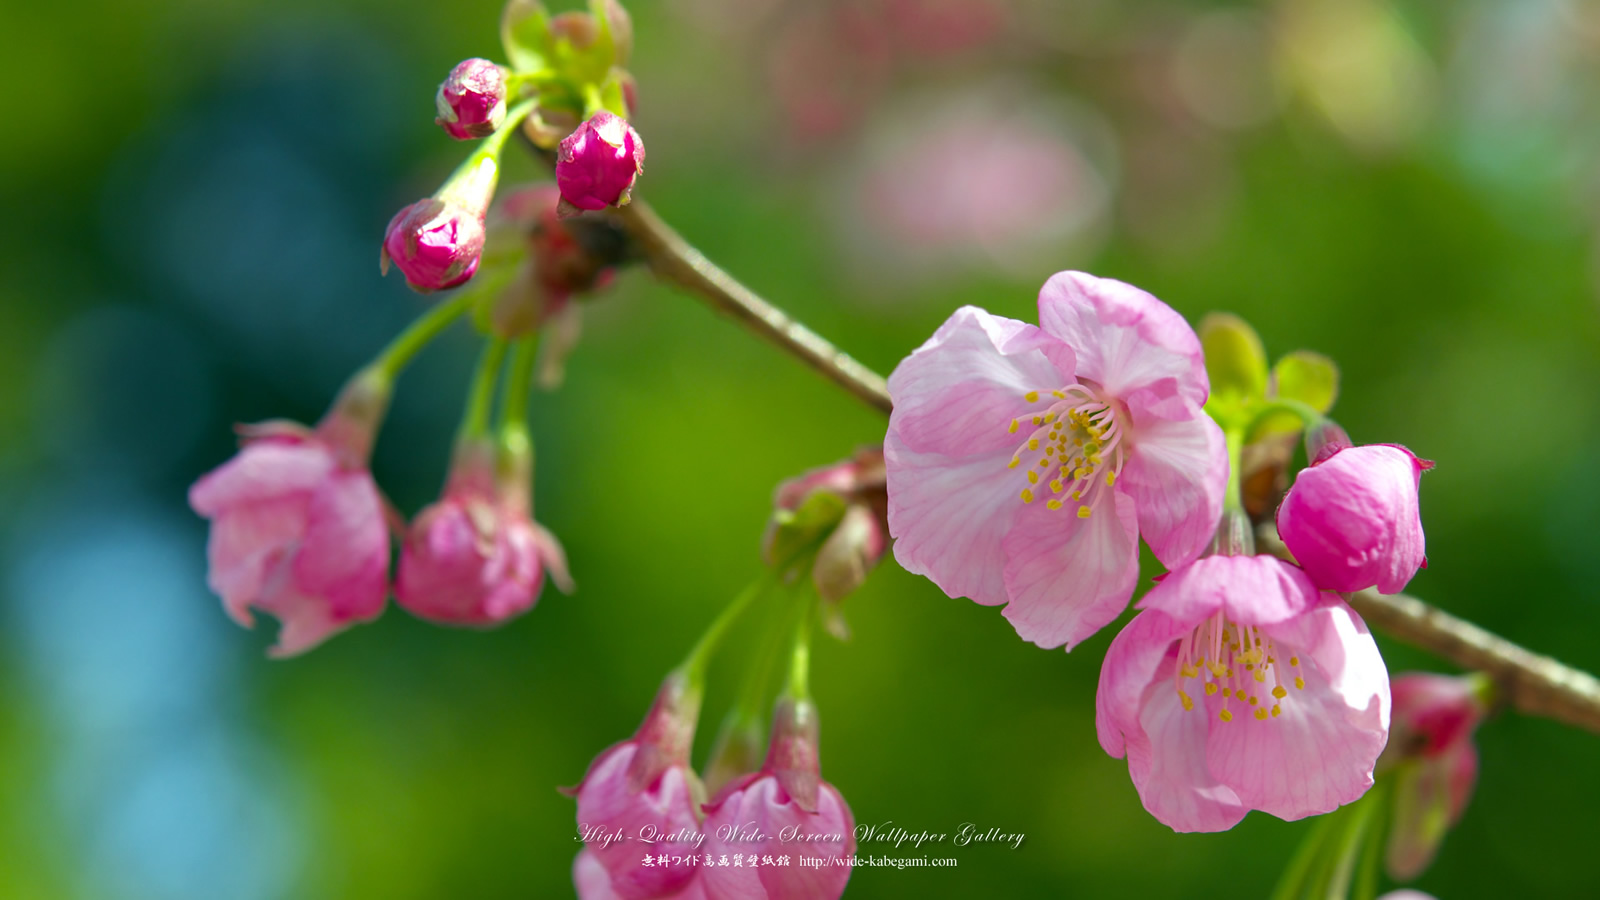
<point>1236,363</point>
<point>1311,378</point>
<point>611,96</point>
<point>525,33</point>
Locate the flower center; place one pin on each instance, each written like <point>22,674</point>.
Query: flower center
<point>1076,446</point>
<point>1239,661</point>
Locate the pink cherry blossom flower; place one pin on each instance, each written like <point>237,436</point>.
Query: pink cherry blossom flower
<point>297,524</point>
<point>1025,462</point>
<point>1241,687</point>
<point>644,790</point>
<point>472,100</point>
<point>593,882</point>
<point>1351,518</point>
<point>476,557</point>
<point>786,809</point>
<point>1435,765</point>
<point>597,164</point>
<point>434,243</point>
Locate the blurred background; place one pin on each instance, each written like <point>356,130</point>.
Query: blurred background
<point>196,192</point>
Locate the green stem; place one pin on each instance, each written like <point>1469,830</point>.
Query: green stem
<point>694,666</point>
<point>753,702</point>
<point>519,384</point>
<point>799,687</point>
<point>1292,885</point>
<point>417,335</point>
<point>475,422</point>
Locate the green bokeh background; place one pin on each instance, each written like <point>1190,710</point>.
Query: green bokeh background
<point>150,142</point>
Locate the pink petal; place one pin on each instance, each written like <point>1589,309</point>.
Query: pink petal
<point>1135,347</point>
<point>307,621</point>
<point>591,879</point>
<point>345,556</point>
<point>958,392</point>
<point>1252,590</point>
<point>1319,753</point>
<point>1069,577</point>
<point>245,543</point>
<point>1177,472</point>
<point>263,470</point>
<point>949,515</point>
<point>1353,519</point>
<point>1138,656</point>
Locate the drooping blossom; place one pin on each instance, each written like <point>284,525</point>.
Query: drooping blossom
<point>297,524</point>
<point>437,242</point>
<point>1352,518</point>
<point>596,165</point>
<point>786,797</point>
<point>1241,686</point>
<point>643,789</point>
<point>593,882</point>
<point>472,100</point>
<point>476,557</point>
<point>831,521</point>
<point>1434,765</point>
<point>1025,462</point>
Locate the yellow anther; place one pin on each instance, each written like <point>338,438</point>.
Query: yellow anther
<point>1053,504</point>
<point>1044,462</point>
<point>1082,472</point>
<point>1084,512</point>
<point>1261,714</point>
<point>1275,710</point>
<point>1014,463</point>
<point>1049,418</point>
<point>1261,674</point>
<point>1188,671</point>
<point>1027,496</point>
<point>1058,395</point>
<point>1031,396</point>
<point>1014,426</point>
<point>1226,692</point>
<point>1033,443</point>
<point>1033,477</point>
<point>1056,485</point>
<point>1184,698</point>
<point>1111,479</point>
<point>1294,660</point>
<point>1211,688</point>
<point>1279,692</point>
<point>1077,495</point>
<point>1038,420</point>
<point>1254,701</point>
<point>1299,683</point>
<point>1225,716</point>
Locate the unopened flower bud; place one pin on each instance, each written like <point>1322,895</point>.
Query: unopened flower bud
<point>437,242</point>
<point>835,519</point>
<point>472,100</point>
<point>1432,762</point>
<point>597,164</point>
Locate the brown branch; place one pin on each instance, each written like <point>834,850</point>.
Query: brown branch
<point>674,260</point>
<point>1531,684</point>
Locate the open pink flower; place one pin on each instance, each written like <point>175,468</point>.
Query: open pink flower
<point>476,557</point>
<point>593,882</point>
<point>1024,462</point>
<point>1351,518</point>
<point>786,809</point>
<point>1434,762</point>
<point>641,797</point>
<point>297,525</point>
<point>1242,687</point>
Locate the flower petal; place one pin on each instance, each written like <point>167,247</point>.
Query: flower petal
<point>948,517</point>
<point>1134,346</point>
<point>1319,752</point>
<point>245,543</point>
<point>1177,473</point>
<point>958,392</point>
<point>1069,577</point>
<point>345,557</point>
<point>263,470</point>
<point>1138,656</point>
<point>1253,590</point>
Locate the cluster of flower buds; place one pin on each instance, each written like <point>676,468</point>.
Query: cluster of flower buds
<point>649,831</point>
<point>831,524</point>
<point>569,93</point>
<point>1431,762</point>
<point>1025,463</point>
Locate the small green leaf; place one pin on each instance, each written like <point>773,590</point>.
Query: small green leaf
<point>611,95</point>
<point>525,33</point>
<point>1235,360</point>
<point>1311,378</point>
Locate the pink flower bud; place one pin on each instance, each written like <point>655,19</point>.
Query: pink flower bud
<point>472,100</point>
<point>297,524</point>
<point>644,788</point>
<point>597,163</point>
<point>1352,521</point>
<point>835,519</point>
<point>476,557</point>
<point>1432,763</point>
<point>435,244</point>
<point>787,797</point>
